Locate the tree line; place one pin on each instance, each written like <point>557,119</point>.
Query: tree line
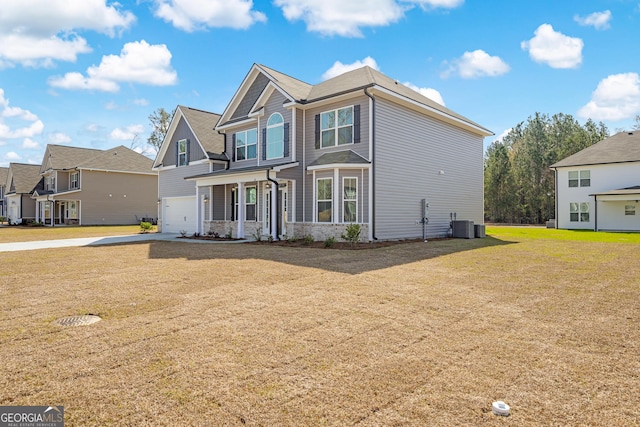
<point>519,187</point>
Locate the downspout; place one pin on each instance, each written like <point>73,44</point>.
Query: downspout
<point>226,166</point>
<point>275,197</point>
<point>595,225</point>
<point>372,196</point>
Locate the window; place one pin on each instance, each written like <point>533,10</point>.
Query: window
<point>350,199</point>
<point>50,183</point>
<point>324,199</point>
<point>579,212</point>
<point>630,209</point>
<point>246,144</point>
<point>72,210</point>
<point>249,204</point>
<point>580,178</point>
<point>275,136</point>
<point>75,180</point>
<point>182,153</point>
<point>336,127</point>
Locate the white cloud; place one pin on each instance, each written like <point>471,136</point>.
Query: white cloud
<point>15,115</point>
<point>430,93</point>
<point>339,68</point>
<point>12,155</point>
<point>127,134</point>
<point>554,48</point>
<point>142,102</point>
<point>30,144</point>
<point>138,62</point>
<point>477,64</point>
<point>347,18</point>
<point>617,97</point>
<point>37,33</point>
<point>111,105</point>
<point>58,138</point>
<point>93,127</point>
<point>599,20</point>
<point>192,15</point>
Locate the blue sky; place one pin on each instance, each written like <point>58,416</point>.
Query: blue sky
<point>89,73</point>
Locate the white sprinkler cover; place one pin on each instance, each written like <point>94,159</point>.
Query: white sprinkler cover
<point>500,408</point>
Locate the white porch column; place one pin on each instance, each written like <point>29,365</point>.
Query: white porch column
<point>274,211</point>
<point>52,212</point>
<point>336,196</point>
<point>37,211</point>
<point>241,210</point>
<point>198,210</point>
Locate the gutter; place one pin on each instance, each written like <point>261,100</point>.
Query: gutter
<point>372,196</point>
<point>226,166</point>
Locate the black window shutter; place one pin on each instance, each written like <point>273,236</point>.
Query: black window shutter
<point>188,155</point>
<point>356,124</point>
<point>286,140</point>
<point>177,153</point>
<point>264,144</point>
<point>317,131</point>
<point>233,147</point>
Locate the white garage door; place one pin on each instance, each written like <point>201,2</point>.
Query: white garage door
<point>179,214</point>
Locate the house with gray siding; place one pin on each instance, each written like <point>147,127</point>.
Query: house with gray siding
<point>86,186</point>
<point>4,173</point>
<point>300,159</point>
<point>21,183</point>
<point>191,147</point>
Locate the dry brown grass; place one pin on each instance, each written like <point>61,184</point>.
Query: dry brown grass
<point>30,234</point>
<point>413,334</point>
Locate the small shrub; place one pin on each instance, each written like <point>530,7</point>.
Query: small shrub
<point>329,242</point>
<point>183,233</point>
<point>229,234</point>
<point>196,234</point>
<point>145,227</point>
<point>352,233</point>
<point>2,219</point>
<point>257,235</point>
<point>292,239</point>
<point>308,239</point>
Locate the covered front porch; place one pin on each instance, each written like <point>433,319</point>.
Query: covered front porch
<point>51,212</point>
<point>254,203</point>
<point>617,210</point>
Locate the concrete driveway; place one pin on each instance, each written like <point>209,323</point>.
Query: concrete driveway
<point>85,241</point>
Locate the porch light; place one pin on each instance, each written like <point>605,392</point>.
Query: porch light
<point>206,198</point>
<point>159,201</point>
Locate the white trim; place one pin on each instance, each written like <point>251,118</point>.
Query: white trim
<point>283,167</point>
<point>335,193</point>
<point>235,154</point>
<point>236,124</point>
<point>336,127</point>
<point>293,139</point>
<point>268,127</point>
<point>170,131</point>
<point>292,202</point>
<point>114,171</point>
<point>340,166</point>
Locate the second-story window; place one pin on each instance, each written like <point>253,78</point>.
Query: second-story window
<point>580,178</point>
<point>337,127</point>
<point>75,180</point>
<point>182,153</point>
<point>246,143</point>
<point>275,137</point>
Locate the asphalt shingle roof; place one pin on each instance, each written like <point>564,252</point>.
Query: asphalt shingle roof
<point>122,159</point>
<point>25,177</point>
<point>619,148</point>
<point>4,174</point>
<point>203,123</point>
<point>339,157</point>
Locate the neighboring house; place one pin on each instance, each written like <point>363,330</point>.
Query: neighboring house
<point>4,173</point>
<point>22,181</point>
<point>190,147</point>
<point>87,186</point>
<point>303,159</point>
<point>598,188</point>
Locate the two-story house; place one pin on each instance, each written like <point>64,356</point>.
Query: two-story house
<point>191,147</point>
<point>22,181</point>
<point>598,188</point>
<point>301,159</point>
<point>85,186</point>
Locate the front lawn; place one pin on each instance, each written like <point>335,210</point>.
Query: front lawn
<point>412,334</point>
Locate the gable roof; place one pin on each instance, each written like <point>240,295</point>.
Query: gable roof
<point>351,81</point>
<point>117,159</point>
<point>343,157</point>
<point>4,174</point>
<point>202,124</point>
<point>25,177</point>
<point>620,148</point>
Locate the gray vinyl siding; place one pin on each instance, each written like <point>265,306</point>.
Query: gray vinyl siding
<point>113,198</point>
<point>183,132</point>
<point>410,150</point>
<point>363,193</point>
<point>219,202</point>
<point>362,148</point>
<point>173,184</point>
<point>250,98</point>
<point>294,174</point>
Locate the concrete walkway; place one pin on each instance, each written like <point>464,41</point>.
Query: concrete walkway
<point>86,241</point>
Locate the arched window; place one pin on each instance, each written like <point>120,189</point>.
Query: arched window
<point>275,136</point>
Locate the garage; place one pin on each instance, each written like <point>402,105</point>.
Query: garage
<point>179,214</point>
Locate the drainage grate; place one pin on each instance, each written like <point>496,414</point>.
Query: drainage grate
<point>87,319</point>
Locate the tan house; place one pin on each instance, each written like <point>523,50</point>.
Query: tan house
<point>4,173</point>
<point>21,183</point>
<point>85,186</point>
